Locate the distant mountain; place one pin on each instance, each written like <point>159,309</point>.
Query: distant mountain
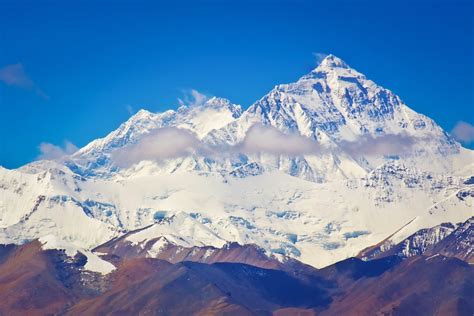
<point>316,170</point>
<point>416,244</point>
<point>445,239</point>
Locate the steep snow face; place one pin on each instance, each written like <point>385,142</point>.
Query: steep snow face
<point>343,104</point>
<point>318,208</point>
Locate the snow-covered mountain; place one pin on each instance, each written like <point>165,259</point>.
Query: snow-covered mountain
<point>316,170</point>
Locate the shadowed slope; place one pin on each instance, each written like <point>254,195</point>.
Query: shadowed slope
<point>36,282</point>
<point>418,286</point>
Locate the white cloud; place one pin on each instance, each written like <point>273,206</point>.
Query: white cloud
<point>171,142</point>
<point>193,98</point>
<point>384,145</point>
<point>15,75</point>
<point>53,152</point>
<point>162,143</point>
<point>463,132</point>
<point>268,139</point>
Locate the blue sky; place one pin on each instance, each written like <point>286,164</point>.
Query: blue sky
<point>73,70</point>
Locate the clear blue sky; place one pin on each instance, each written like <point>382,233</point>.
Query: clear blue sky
<point>87,61</point>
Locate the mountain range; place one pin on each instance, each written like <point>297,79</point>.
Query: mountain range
<point>315,171</point>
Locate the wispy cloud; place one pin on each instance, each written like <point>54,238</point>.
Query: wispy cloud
<point>384,145</point>
<point>319,57</point>
<point>268,139</point>
<point>15,75</point>
<point>463,132</point>
<point>129,109</point>
<point>172,142</point>
<point>162,143</point>
<point>49,151</point>
<point>193,98</point>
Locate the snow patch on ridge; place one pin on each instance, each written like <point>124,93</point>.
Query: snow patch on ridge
<point>94,262</point>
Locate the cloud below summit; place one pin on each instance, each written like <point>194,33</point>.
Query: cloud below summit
<point>384,145</point>
<point>463,132</point>
<point>49,151</point>
<point>268,139</point>
<point>162,143</point>
<point>171,142</point>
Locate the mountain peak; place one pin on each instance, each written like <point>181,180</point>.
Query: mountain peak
<point>214,103</point>
<point>141,114</point>
<point>330,64</point>
<point>331,61</point>
<point>217,103</point>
